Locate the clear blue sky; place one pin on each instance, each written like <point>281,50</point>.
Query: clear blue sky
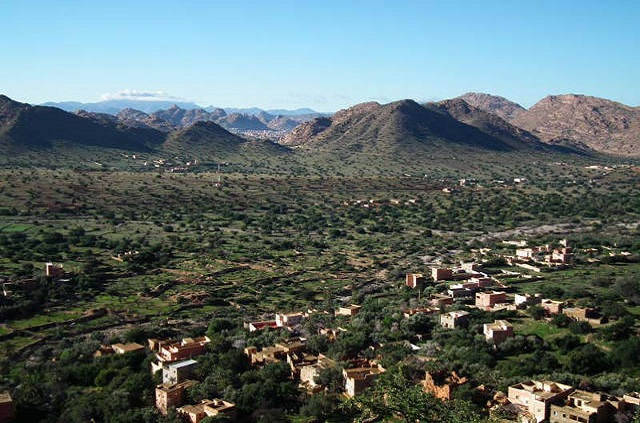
<point>321,54</point>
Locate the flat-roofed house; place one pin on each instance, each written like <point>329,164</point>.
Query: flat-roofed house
<point>207,408</point>
<point>561,255</point>
<point>170,396</point>
<point>454,319</point>
<point>415,280</point>
<point>275,353</point>
<point>360,378</point>
<point>498,331</point>
<point>127,348</point>
<point>583,314</point>
<point>298,360</point>
<point>187,348</point>
<point>154,344</point>
<point>178,371</point>
<point>587,407</point>
<point>350,310</point>
<point>470,266</point>
<point>459,291</point>
<point>487,300</point>
<point>441,273</point>
<point>537,396</point>
<point>289,319</point>
<point>481,281</point>
<point>551,307</point>
<point>525,253</point>
<point>440,300</point>
<point>309,373</point>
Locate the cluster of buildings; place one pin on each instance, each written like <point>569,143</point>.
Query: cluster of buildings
<point>468,277</point>
<point>542,256</point>
<point>306,367</point>
<point>292,321</point>
<point>536,401</point>
<point>377,203</point>
<point>175,359</point>
<point>494,333</point>
<point>172,395</point>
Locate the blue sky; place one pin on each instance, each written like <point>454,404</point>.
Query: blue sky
<point>320,54</point>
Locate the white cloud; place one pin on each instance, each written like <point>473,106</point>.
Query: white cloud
<point>139,95</point>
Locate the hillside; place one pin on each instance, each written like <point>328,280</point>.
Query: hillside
<point>604,125</point>
<point>181,118</point>
<point>24,127</point>
<point>241,121</point>
<point>490,124</point>
<point>500,106</point>
<point>400,127</point>
<point>209,141</point>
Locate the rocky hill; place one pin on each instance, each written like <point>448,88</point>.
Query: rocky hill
<point>181,118</point>
<point>500,106</point>
<point>603,125</point>
<point>403,127</point>
<point>207,140</point>
<point>25,127</point>
<point>489,123</point>
<point>242,122</point>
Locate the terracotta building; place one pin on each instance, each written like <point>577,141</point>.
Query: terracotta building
<point>415,280</point>
<point>171,395</point>
<point>441,273</point>
<point>498,331</point>
<point>487,300</point>
<point>207,408</point>
<point>187,348</point>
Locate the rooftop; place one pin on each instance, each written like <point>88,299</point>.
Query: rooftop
<point>180,364</point>
<point>133,346</point>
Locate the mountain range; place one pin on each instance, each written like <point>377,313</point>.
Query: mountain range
<point>467,126</point>
<point>25,129</point>
<point>115,106</point>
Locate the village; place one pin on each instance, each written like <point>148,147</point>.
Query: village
<point>460,290</point>
<point>228,316</point>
